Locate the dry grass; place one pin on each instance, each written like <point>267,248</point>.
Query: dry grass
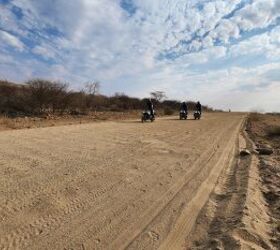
<point>273,131</point>
<point>168,111</point>
<point>7,123</point>
<point>254,116</point>
<point>16,123</point>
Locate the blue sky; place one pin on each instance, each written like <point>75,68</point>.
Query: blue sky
<point>223,53</point>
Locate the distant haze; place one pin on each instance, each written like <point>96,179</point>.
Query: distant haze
<point>224,53</point>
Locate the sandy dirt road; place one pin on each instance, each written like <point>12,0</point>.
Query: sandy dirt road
<point>111,185</point>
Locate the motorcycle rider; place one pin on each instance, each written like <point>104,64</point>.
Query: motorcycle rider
<point>150,107</point>
<point>198,107</point>
<point>184,107</point>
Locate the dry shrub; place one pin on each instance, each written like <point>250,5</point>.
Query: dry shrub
<point>254,117</point>
<point>168,111</point>
<point>273,131</point>
<point>6,122</point>
<point>17,123</point>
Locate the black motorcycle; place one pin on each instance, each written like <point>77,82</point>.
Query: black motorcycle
<point>148,115</point>
<point>183,115</point>
<point>196,115</point>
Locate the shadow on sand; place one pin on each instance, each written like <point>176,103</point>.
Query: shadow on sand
<point>177,119</point>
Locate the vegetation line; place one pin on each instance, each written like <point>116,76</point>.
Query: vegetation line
<point>38,97</point>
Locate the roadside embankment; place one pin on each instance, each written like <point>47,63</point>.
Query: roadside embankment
<point>240,213</point>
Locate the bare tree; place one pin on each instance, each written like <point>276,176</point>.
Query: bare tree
<point>158,95</point>
<point>40,96</point>
<point>92,88</point>
<point>47,95</point>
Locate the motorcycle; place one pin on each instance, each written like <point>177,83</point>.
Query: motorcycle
<point>148,115</point>
<point>196,115</point>
<point>183,115</point>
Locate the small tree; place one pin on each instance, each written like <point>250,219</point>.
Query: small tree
<point>91,89</point>
<point>46,95</point>
<point>158,95</point>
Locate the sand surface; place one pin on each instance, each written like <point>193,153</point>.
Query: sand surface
<point>111,185</point>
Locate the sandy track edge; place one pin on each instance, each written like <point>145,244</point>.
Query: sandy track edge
<point>235,216</point>
<point>187,219</point>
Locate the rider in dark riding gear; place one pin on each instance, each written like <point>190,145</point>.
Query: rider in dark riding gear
<point>150,107</point>
<point>198,107</point>
<point>184,107</point>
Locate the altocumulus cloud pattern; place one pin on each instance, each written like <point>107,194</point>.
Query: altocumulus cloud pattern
<point>224,53</point>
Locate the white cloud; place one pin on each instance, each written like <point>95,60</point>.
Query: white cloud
<point>267,44</point>
<point>11,40</point>
<point>46,53</point>
<point>198,48</point>
<point>259,14</point>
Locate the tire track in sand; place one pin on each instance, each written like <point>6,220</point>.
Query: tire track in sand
<point>138,227</point>
<point>185,222</point>
<point>91,217</point>
<point>108,218</point>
